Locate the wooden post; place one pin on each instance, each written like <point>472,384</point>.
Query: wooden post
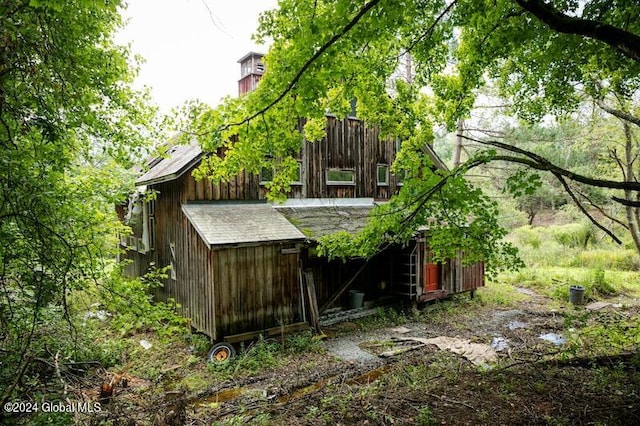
<point>313,301</point>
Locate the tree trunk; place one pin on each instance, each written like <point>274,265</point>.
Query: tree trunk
<point>632,213</point>
<point>458,146</point>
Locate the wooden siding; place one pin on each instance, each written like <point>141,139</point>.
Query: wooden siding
<point>349,144</point>
<point>255,288</point>
<point>456,277</point>
<point>234,290</point>
<point>224,291</point>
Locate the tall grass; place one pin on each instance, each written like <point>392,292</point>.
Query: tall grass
<point>573,254</point>
<point>572,245</point>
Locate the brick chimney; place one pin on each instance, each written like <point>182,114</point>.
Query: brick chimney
<point>251,71</point>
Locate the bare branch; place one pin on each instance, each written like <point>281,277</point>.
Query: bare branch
<point>584,211</point>
<point>602,211</point>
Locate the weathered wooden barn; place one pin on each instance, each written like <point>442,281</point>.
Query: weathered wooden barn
<point>238,263</point>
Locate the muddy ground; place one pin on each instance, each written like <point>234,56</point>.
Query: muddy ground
<point>530,381</point>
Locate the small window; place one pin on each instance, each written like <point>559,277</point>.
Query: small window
<point>398,144</point>
<point>382,175</point>
<point>354,104</point>
<point>266,175</point>
<point>147,242</point>
<point>298,179</point>
<point>400,175</point>
<point>341,177</point>
<point>172,248</point>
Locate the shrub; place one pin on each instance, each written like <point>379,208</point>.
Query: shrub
<point>573,234</point>
<point>527,235</point>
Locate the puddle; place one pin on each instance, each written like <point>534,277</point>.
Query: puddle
<point>368,377</point>
<point>513,325</point>
<point>299,393</point>
<point>556,339</point>
<point>225,395</point>
<point>499,343</point>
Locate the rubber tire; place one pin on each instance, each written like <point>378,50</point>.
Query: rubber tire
<point>221,352</point>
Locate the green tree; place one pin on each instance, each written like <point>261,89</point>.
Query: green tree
<point>544,58</point>
<point>68,123</point>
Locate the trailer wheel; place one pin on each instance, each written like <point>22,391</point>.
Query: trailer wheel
<point>221,353</point>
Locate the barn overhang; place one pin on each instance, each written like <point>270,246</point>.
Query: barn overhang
<point>178,160</point>
<point>233,224</point>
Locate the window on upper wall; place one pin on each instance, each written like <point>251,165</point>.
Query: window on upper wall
<point>266,175</point>
<point>382,175</point>
<point>400,175</point>
<point>341,177</point>
<point>298,179</point>
<point>398,144</point>
<point>147,242</point>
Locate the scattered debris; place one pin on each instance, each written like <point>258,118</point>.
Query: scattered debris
<point>145,344</point>
<point>596,306</point>
<point>526,291</point>
<point>346,315</point>
<point>477,353</point>
<point>556,339</point>
<point>400,330</point>
<point>499,343</point>
<point>100,315</point>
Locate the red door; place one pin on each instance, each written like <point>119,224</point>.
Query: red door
<point>432,277</point>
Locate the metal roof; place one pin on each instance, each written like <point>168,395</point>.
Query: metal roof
<point>320,221</point>
<point>180,158</point>
<point>221,224</point>
<point>325,202</point>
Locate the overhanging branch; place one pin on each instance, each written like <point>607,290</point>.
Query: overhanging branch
<point>622,115</point>
<point>366,8</point>
<point>623,41</point>
<point>537,162</point>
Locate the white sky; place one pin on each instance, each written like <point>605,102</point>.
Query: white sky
<point>190,53</point>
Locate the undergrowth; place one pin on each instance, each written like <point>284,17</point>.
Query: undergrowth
<point>561,256</point>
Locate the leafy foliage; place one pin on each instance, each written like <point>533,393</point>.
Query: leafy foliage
<point>69,124</point>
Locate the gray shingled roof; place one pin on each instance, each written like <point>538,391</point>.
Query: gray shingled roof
<point>180,158</point>
<point>317,218</point>
<point>220,224</point>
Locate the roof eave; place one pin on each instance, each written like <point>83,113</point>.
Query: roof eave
<point>171,176</point>
<point>255,243</point>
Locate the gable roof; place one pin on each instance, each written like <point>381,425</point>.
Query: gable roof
<point>221,223</point>
<point>180,158</point>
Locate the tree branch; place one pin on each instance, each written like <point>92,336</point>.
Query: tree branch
<point>309,62</point>
<point>622,115</point>
<point>602,211</point>
<point>584,211</point>
<point>540,163</point>
<point>623,41</point>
